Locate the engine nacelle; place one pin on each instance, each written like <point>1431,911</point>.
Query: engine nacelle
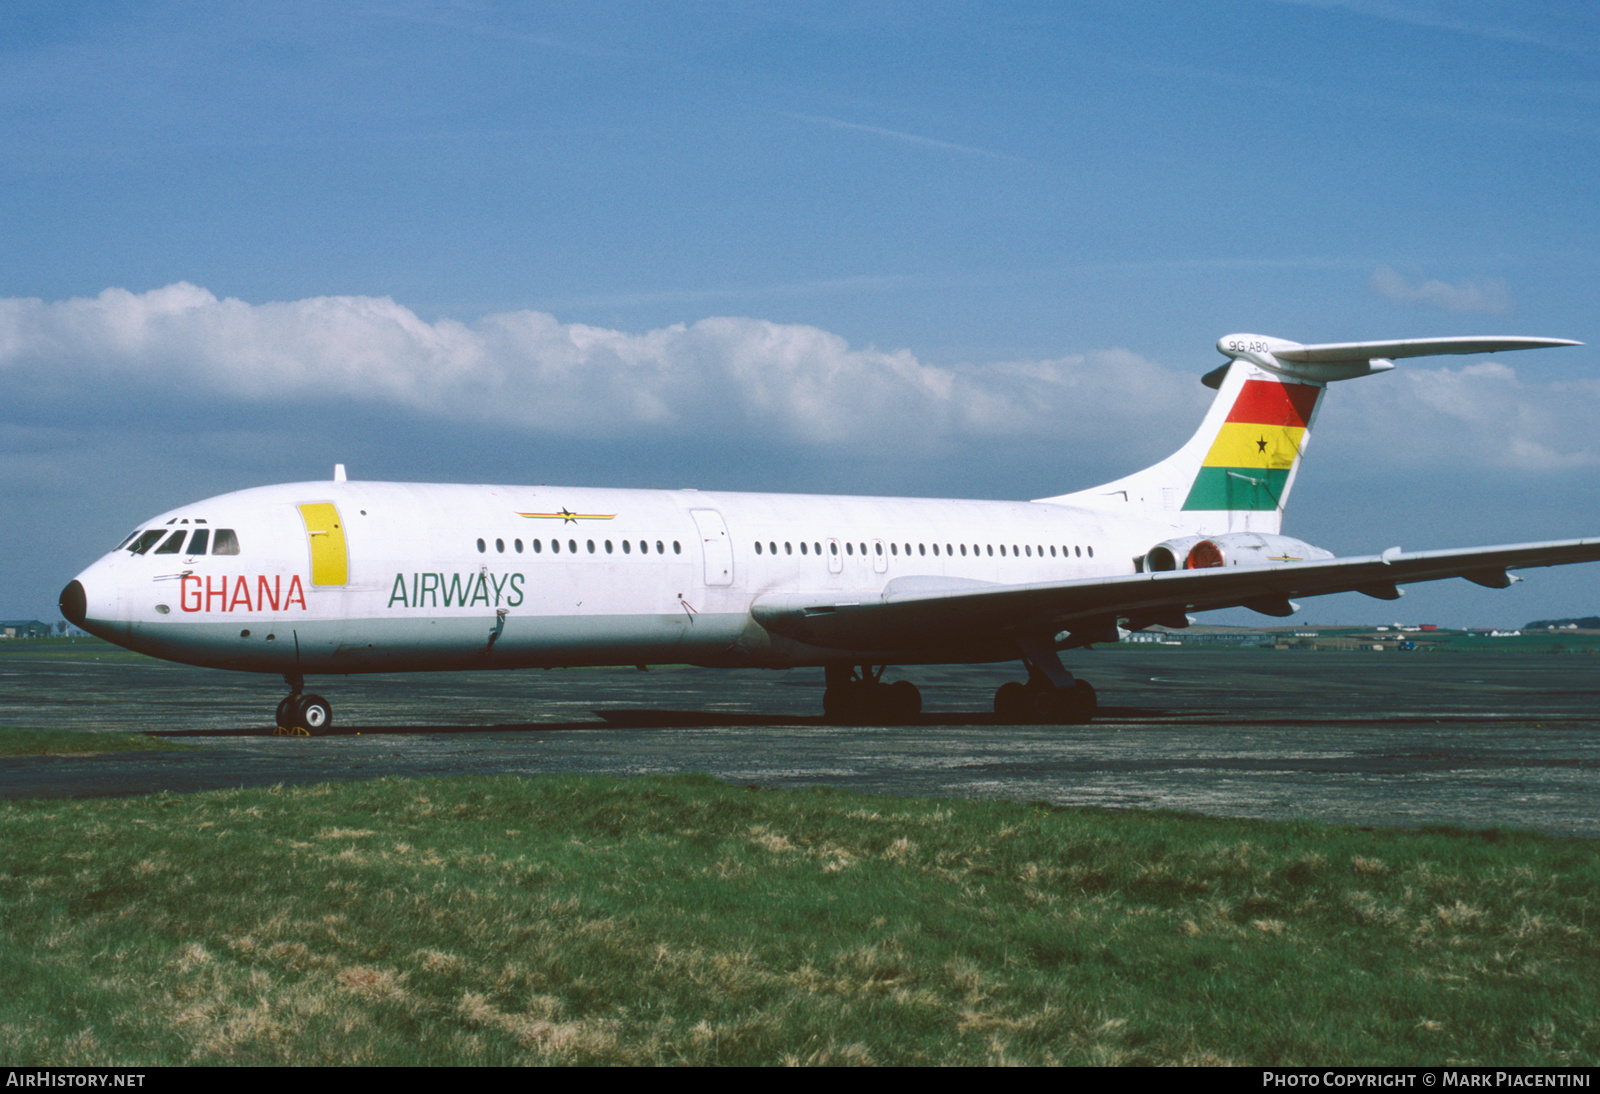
<point>1230,549</point>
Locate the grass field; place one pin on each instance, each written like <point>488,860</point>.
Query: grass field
<point>682,920</point>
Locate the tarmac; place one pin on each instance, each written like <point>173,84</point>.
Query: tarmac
<point>1475,741</point>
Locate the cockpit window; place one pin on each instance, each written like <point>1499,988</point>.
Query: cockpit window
<point>226,543</point>
<point>197,543</point>
<point>174,543</point>
<point>127,541</point>
<point>146,541</point>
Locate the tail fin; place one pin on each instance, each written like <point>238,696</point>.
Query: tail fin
<point>1235,473</point>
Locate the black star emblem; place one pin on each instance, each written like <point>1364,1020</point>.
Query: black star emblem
<point>568,516</point>
<point>1261,445</point>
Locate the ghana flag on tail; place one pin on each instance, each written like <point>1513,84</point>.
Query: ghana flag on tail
<point>1249,464</point>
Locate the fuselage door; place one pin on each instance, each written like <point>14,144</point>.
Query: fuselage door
<point>715,545</point>
<point>330,558</point>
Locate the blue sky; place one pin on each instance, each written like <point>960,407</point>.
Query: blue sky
<point>943,249</point>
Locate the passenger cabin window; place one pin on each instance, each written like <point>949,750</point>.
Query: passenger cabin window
<point>225,543</point>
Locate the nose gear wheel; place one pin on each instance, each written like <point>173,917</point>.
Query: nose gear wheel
<point>301,715</point>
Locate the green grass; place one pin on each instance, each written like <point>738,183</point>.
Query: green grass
<point>681,920</point>
<point>66,742</point>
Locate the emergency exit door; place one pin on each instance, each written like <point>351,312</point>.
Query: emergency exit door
<point>330,558</point>
<point>715,546</point>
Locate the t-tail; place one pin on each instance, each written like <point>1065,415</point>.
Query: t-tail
<point>1235,473</point>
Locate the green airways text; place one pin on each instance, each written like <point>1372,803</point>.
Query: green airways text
<point>456,590</point>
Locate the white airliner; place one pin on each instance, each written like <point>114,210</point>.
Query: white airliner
<point>341,577</point>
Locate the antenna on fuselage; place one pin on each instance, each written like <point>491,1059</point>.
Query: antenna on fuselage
<point>338,472</point>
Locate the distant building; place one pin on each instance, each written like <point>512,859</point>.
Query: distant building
<point>24,628</point>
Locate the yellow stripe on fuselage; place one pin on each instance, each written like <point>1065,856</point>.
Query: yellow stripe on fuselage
<point>1242,444</point>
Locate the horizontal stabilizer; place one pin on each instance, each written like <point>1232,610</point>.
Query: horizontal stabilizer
<point>1328,361</point>
<point>1414,347</point>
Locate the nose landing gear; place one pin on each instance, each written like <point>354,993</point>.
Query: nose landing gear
<point>302,715</point>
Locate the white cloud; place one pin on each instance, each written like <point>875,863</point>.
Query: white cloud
<point>1489,297</point>
<point>105,362</point>
<point>736,377</point>
<point>1474,416</point>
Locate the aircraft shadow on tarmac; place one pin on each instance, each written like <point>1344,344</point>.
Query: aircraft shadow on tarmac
<point>1121,717</point>
<point>704,719</point>
<point>668,719</point>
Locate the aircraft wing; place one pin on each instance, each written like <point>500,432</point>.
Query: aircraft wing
<point>928,612</point>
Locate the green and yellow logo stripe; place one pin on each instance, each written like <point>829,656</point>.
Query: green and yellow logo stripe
<point>566,516</point>
<point>1249,463</point>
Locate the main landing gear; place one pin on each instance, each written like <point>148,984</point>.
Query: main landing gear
<point>1040,701</point>
<point>1052,696</point>
<point>860,695</point>
<point>303,715</point>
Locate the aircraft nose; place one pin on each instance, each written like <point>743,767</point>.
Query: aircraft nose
<point>74,603</point>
